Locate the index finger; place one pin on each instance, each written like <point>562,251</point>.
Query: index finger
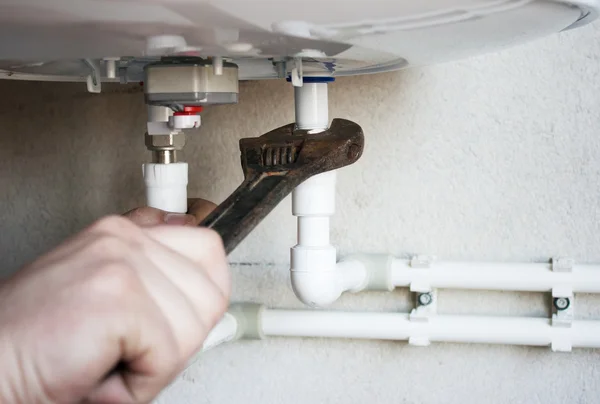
<point>200,208</point>
<point>200,245</point>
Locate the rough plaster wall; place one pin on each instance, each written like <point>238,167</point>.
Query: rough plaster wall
<point>493,158</point>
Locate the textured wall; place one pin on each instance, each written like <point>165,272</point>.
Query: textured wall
<point>493,158</point>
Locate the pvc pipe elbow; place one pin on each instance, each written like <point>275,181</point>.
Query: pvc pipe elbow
<point>314,276</point>
<point>316,288</point>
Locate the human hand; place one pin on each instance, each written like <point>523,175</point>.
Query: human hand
<point>198,209</point>
<point>112,315</point>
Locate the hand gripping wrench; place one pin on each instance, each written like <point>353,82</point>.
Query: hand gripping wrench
<point>276,163</point>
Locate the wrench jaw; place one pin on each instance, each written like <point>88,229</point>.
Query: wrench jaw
<point>339,146</point>
<point>285,149</point>
<point>276,163</point>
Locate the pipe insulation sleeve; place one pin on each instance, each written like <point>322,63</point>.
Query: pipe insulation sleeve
<point>166,186</point>
<point>248,317</point>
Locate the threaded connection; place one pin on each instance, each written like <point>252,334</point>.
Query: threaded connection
<point>164,156</point>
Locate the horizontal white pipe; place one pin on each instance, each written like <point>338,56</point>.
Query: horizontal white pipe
<point>440,328</point>
<point>352,276</point>
<point>224,331</point>
<point>497,276</point>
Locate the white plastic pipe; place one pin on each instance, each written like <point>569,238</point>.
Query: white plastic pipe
<point>224,331</point>
<point>440,328</point>
<point>166,186</point>
<point>497,276</point>
<point>316,279</point>
<point>312,106</point>
<point>313,259</point>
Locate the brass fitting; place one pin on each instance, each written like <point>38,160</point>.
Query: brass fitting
<point>165,142</point>
<point>164,147</point>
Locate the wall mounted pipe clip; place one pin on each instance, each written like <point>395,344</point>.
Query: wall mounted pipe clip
<point>424,262</point>
<point>563,307</point>
<point>426,307</point>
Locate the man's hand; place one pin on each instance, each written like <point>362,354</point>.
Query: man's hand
<point>198,209</point>
<point>112,315</point>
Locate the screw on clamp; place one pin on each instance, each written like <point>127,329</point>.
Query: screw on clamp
<point>561,303</point>
<point>424,299</point>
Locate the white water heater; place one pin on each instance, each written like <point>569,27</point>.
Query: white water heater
<point>111,40</point>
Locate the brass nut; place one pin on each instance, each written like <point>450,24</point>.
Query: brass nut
<point>165,142</point>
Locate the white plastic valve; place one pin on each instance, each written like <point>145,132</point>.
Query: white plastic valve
<point>166,186</point>
<point>180,122</point>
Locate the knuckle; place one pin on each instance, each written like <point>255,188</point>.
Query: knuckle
<point>222,305</point>
<point>115,279</point>
<point>224,285</point>
<point>116,225</point>
<point>145,216</point>
<point>216,309</point>
<point>213,241</point>
<point>109,246</point>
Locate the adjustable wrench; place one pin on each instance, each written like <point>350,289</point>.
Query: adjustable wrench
<point>276,163</point>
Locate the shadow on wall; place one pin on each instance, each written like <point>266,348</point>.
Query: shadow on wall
<point>66,158</point>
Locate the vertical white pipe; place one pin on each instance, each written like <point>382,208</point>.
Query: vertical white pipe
<point>313,231</point>
<point>313,259</point>
<point>312,106</point>
<point>166,184</point>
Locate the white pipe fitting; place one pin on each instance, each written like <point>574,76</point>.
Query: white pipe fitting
<point>313,259</point>
<point>166,186</point>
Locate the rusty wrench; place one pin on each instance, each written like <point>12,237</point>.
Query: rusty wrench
<point>276,163</point>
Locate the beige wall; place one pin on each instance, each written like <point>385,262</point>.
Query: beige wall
<point>493,158</point>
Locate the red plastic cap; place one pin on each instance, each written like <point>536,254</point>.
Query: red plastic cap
<point>189,110</point>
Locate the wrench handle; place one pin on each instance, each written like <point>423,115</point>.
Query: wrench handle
<point>249,204</point>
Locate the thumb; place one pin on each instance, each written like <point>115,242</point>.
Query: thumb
<point>147,216</point>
